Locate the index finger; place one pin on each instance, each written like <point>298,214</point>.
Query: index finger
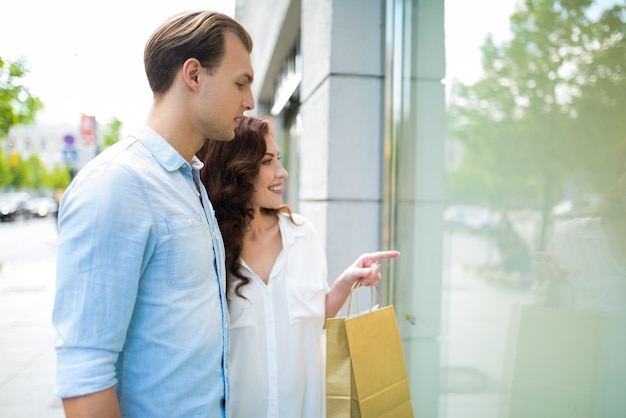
<point>382,255</point>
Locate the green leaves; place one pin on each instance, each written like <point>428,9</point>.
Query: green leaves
<point>550,108</point>
<point>112,131</point>
<point>17,105</point>
<point>30,173</point>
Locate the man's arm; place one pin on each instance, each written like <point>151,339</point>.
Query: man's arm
<point>101,404</point>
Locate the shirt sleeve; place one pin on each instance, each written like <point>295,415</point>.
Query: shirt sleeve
<point>104,229</point>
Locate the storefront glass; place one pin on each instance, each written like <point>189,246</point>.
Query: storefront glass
<point>505,192</point>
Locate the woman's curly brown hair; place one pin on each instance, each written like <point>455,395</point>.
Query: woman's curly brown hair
<point>230,167</point>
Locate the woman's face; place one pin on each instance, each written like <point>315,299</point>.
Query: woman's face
<point>268,185</point>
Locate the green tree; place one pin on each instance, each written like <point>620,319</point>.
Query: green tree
<point>18,177</point>
<point>31,173</point>
<point>5,170</point>
<point>112,131</point>
<point>544,111</point>
<point>35,172</point>
<point>17,105</point>
<point>600,105</point>
<point>59,177</point>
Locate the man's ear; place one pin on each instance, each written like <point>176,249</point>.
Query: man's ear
<point>191,71</point>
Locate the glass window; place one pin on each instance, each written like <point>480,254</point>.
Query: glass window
<point>506,194</point>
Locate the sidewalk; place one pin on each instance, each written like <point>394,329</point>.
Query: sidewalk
<point>27,358</point>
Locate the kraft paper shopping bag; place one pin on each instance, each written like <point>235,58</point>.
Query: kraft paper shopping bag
<point>365,371</point>
<point>338,370</point>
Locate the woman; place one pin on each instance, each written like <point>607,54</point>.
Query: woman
<point>583,274</point>
<point>278,292</point>
<point>585,266</point>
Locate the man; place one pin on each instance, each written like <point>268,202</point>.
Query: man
<point>140,309</point>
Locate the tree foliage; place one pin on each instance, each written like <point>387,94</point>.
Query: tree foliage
<point>17,105</point>
<point>18,173</point>
<point>5,170</point>
<point>112,131</point>
<point>59,178</point>
<point>549,109</point>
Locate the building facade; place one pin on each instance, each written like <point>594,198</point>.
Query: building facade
<point>356,90</point>
<point>55,144</point>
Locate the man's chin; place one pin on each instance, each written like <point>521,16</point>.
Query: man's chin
<point>224,138</point>
<point>229,138</point>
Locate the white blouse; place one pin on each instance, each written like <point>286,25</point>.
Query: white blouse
<point>276,350</point>
<point>596,279</point>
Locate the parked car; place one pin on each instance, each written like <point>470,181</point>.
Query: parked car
<point>470,218</point>
<point>41,207</point>
<point>584,205</point>
<point>14,205</point>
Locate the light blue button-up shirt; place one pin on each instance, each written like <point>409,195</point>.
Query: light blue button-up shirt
<point>140,301</point>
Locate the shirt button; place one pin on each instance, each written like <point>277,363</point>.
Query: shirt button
<point>190,221</point>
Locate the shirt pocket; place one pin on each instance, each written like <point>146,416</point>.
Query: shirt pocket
<point>306,299</point>
<point>190,253</point>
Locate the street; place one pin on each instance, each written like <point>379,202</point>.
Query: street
<point>27,254</point>
<point>475,321</point>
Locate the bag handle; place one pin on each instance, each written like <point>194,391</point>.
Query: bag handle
<point>355,286</point>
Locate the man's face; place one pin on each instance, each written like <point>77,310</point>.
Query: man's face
<point>226,93</point>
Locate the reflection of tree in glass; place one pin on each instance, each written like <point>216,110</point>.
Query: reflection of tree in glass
<point>549,109</point>
<point>514,252</point>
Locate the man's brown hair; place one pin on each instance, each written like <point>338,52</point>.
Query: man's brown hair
<point>194,34</point>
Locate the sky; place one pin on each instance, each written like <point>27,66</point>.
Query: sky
<point>467,23</point>
<point>86,57</point>
<point>466,26</point>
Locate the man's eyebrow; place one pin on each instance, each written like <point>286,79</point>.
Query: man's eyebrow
<point>248,77</point>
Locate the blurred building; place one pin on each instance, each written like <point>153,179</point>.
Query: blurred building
<point>356,89</point>
<point>64,143</point>
<point>44,140</point>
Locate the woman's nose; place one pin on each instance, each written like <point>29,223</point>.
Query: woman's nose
<point>282,173</point>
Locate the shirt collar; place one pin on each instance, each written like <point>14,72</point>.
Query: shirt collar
<point>163,151</point>
<point>288,230</point>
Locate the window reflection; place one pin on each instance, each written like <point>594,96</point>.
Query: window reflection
<point>534,238</point>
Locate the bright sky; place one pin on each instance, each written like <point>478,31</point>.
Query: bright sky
<point>467,24</point>
<point>87,57</point>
